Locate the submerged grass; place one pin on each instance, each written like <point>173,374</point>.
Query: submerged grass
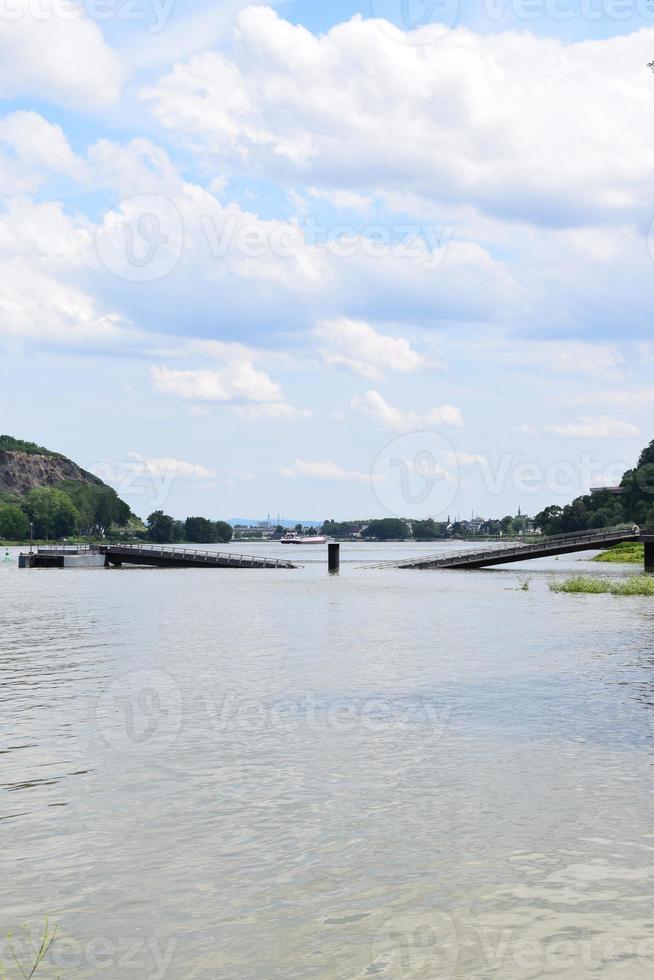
<point>593,585</point>
<point>627,551</point>
<point>37,952</point>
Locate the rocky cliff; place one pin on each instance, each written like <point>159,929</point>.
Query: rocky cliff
<point>21,471</point>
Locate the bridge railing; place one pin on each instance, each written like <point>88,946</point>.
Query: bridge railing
<point>197,555</point>
<point>590,537</point>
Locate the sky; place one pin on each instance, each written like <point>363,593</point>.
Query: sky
<point>336,260</point>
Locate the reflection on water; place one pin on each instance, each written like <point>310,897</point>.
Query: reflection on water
<point>391,774</point>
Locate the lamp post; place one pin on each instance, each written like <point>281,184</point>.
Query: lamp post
<point>31,537</point>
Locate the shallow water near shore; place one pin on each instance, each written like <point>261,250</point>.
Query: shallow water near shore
<point>385,773</point>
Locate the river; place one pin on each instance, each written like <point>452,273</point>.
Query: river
<point>282,774</point>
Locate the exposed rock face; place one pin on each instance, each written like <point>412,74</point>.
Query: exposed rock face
<point>21,472</point>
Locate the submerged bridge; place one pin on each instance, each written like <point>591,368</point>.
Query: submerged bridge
<point>158,556</point>
<point>162,556</point>
<point>560,544</point>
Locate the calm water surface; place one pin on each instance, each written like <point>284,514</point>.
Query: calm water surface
<point>394,774</point>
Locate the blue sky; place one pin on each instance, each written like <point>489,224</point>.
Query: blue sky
<point>329,260</point>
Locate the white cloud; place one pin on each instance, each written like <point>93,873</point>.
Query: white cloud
<point>273,410</point>
<point>357,346</point>
<point>166,466</point>
<point>36,306</point>
<point>467,120</point>
<point>595,427</point>
<point>566,357</point>
<point>251,391</point>
<point>323,470</point>
<point>375,407</point>
<point>343,200</point>
<point>238,381</point>
<point>55,52</point>
<point>32,149</point>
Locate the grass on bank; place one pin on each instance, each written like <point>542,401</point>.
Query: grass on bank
<point>627,551</point>
<point>594,585</point>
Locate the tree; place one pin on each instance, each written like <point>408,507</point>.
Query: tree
<point>390,529</point>
<point>199,530</point>
<point>99,506</point>
<point>549,520</point>
<point>52,512</point>
<point>342,529</point>
<point>647,455</point>
<point>161,527</point>
<point>224,532</point>
<point>428,530</point>
<point>14,525</point>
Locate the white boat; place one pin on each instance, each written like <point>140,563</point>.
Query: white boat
<point>291,538</point>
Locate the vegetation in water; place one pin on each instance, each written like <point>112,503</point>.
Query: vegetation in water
<point>627,551</point>
<point>642,585</point>
<point>525,583</point>
<point>25,964</point>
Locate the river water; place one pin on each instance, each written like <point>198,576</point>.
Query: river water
<point>282,774</point>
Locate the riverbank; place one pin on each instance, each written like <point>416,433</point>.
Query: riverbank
<point>627,552</point>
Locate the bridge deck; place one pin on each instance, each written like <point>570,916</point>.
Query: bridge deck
<point>559,544</point>
<point>167,557</point>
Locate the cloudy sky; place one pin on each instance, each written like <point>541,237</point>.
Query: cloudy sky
<point>334,259</point>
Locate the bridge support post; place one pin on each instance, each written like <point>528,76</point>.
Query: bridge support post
<point>334,551</point>
<point>649,556</point>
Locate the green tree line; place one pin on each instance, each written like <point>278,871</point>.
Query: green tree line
<point>195,530</point>
<point>604,509</point>
<point>58,512</point>
<point>396,529</point>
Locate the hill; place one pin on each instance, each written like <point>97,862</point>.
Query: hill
<point>56,495</point>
